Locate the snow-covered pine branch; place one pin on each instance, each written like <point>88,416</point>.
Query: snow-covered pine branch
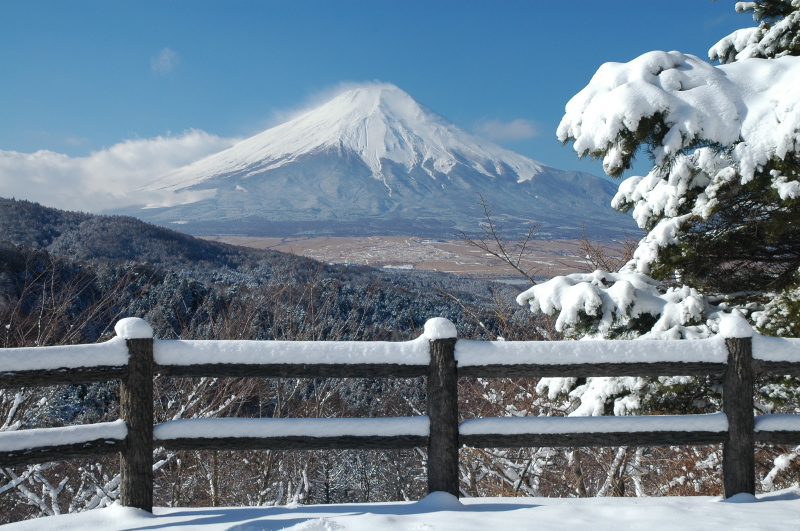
<point>720,203</point>
<point>720,206</point>
<point>775,36</point>
<point>621,305</point>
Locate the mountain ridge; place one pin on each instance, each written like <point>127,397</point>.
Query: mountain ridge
<point>376,122</point>
<point>374,161</point>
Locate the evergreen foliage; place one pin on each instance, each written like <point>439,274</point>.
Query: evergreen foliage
<point>720,206</point>
<point>721,203</point>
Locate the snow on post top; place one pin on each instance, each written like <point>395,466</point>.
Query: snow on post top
<point>733,325</point>
<point>133,328</point>
<point>439,328</point>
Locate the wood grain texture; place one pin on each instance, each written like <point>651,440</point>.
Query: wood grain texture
<point>292,370</point>
<point>561,440</point>
<point>45,454</point>
<point>778,437</point>
<point>777,367</point>
<point>63,376</point>
<point>443,414</point>
<point>379,442</point>
<point>136,408</point>
<point>738,452</point>
<point>585,370</point>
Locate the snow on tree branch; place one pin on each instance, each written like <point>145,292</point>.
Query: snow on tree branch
<point>720,205</point>
<point>677,102</point>
<point>621,305</point>
<point>770,39</point>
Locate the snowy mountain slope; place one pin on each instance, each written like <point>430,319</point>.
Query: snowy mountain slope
<point>373,160</point>
<point>377,122</point>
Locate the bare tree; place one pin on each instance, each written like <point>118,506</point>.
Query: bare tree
<point>600,255</point>
<point>510,252</point>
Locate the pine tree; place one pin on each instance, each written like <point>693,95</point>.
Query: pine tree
<point>721,202</point>
<point>720,205</point>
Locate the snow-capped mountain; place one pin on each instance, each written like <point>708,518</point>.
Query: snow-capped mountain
<point>377,123</point>
<point>373,160</point>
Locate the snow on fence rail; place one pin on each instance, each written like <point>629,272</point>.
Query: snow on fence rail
<point>134,357</point>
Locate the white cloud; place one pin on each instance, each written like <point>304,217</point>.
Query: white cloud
<point>518,129</point>
<point>165,61</point>
<point>105,179</point>
<point>75,141</point>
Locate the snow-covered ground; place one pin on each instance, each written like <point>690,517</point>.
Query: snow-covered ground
<point>440,511</point>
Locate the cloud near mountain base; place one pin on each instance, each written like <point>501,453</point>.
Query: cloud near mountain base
<point>518,129</point>
<point>105,179</point>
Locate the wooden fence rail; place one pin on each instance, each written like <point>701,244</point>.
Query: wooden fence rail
<point>447,360</point>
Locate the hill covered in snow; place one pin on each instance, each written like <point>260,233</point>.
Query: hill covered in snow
<point>374,161</point>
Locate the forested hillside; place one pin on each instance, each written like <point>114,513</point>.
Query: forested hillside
<point>82,237</point>
<point>67,277</point>
<point>183,284</point>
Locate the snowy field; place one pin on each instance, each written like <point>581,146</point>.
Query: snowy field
<point>440,511</point>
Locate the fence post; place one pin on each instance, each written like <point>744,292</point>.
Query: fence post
<point>738,452</point>
<point>442,407</point>
<point>136,408</point>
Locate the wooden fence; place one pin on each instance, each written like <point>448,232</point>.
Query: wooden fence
<point>134,438</point>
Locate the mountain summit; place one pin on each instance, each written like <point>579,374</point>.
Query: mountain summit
<point>379,123</point>
<point>373,161</point>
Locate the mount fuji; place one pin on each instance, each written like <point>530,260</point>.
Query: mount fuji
<point>373,161</point>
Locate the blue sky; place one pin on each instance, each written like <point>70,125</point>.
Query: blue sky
<point>79,76</point>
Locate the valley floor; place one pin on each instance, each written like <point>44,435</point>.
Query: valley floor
<point>440,512</point>
<point>546,259</point>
